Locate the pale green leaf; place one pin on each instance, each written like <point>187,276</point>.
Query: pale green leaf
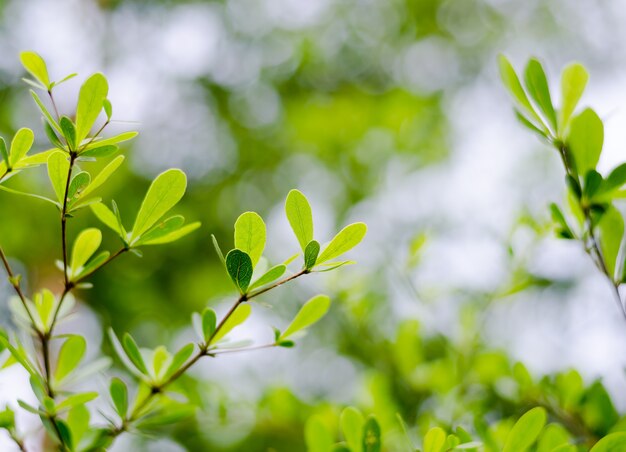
<point>434,439</point>
<point>164,193</point>
<point>615,442</point>
<point>179,359</point>
<point>344,241</point>
<point>585,140</point>
<point>269,276</point>
<point>70,355</point>
<point>513,85</point>
<point>312,311</point>
<point>250,235</point>
<point>209,323</point>
<point>133,353</point>
<point>168,236</point>
<point>240,315</point>
<point>573,82</point>
<point>34,64</point>
<point>20,145</point>
<point>109,141</point>
<point>46,113</point>
<point>77,187</point>
<point>352,422</point>
<point>90,101</point>
<point>104,175</point>
<point>525,431</point>
<point>86,244</point>
<point>537,86</point>
<point>611,233</point>
<point>300,217</point>
<point>58,169</point>
<point>106,216</point>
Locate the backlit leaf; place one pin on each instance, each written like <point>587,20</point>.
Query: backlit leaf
<point>240,315</point>
<point>526,430</point>
<point>86,244</point>
<point>300,217</point>
<point>20,145</point>
<point>585,140</point>
<point>573,82</point>
<point>58,169</point>
<point>312,311</point>
<point>34,64</point>
<point>344,241</point>
<point>70,355</point>
<point>250,235</point>
<point>90,101</point>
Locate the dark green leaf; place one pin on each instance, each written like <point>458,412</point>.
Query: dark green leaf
<point>69,131</point>
<point>239,267</point>
<point>310,254</point>
<point>209,322</point>
<point>133,353</point>
<point>371,436</point>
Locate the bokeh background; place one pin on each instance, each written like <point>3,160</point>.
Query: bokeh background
<point>383,111</point>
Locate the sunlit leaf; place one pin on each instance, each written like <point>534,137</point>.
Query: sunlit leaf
<point>611,233</point>
<point>86,244</point>
<point>90,101</point>
<point>34,64</point>
<point>526,430</point>
<point>58,169</point>
<point>615,442</point>
<point>585,140</point>
<point>344,241</point>
<point>69,131</point>
<point>20,145</point>
<point>269,276</point>
<point>513,85</point>
<point>352,422</point>
<point>434,439</point>
<point>573,82</point>
<point>371,436</point>
<point>109,141</point>
<point>164,193</point>
<point>537,86</point>
<point>310,254</point>
<point>46,113</point>
<point>240,315</point>
<point>312,311</point>
<point>133,353</point>
<point>300,217</point>
<point>70,355</point>
<point>250,235</point>
<point>104,175</point>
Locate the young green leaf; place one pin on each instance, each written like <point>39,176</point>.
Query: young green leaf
<point>269,276</point>
<point>310,254</point>
<point>218,250</point>
<point>86,244</point>
<point>300,217</point>
<point>104,175</point>
<point>512,83</point>
<point>537,86</point>
<point>240,315</point>
<point>525,431</point>
<point>434,439</point>
<point>250,235</point>
<point>209,322</point>
<point>371,436</point>
<point>4,152</point>
<point>317,435</point>
<point>611,443</point>
<point>239,267</point>
<point>90,101</point>
<point>312,311</point>
<point>93,264</point>
<point>585,140</point>
<point>162,230</point>
<point>70,355</point>
<point>344,241</point>
<point>352,422</point>
<point>51,134</point>
<point>58,168</point>
<point>100,152</point>
<point>573,82</point>
<point>108,108</point>
<point>46,113</point>
<point>164,193</point>
<point>133,353</point>
<point>179,359</point>
<point>78,184</point>
<point>34,64</point>
<point>20,145</point>
<point>69,131</point>
<point>78,422</point>
<point>611,233</point>
<point>97,143</point>
<point>106,216</point>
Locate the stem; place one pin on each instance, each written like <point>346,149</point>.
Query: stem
<point>16,286</point>
<point>204,351</point>
<point>64,220</point>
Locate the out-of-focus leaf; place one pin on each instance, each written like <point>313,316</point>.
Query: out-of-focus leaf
<point>242,312</point>
<point>537,86</point>
<point>573,82</point>
<point>34,64</point>
<point>352,422</point>
<point>526,430</point>
<point>434,439</point>
<point>611,233</point>
<point>70,355</point>
<point>371,436</point>
<point>312,311</point>
<point>614,442</point>
<point>585,140</point>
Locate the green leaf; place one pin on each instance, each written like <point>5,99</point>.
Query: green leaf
<point>573,82</point>
<point>269,276</point>
<point>106,216</point>
<point>78,421</point>
<point>218,250</point>
<point>108,108</point>
<point>90,101</point>
<point>4,152</point>
<point>434,439</point>
<point>70,355</point>
<point>209,322</point>
<point>77,186</point>
<point>76,400</point>
<point>133,353</point>
<point>512,83</point>
<point>250,235</point>
<point>239,267</point>
<point>557,216</point>
<point>46,113</point>
<point>371,436</point>
<point>164,193</point>
<point>86,244</point>
<point>101,152</point>
<point>300,217</point>
<point>97,143</point>
<point>611,233</point>
<point>310,254</point>
<point>179,359</point>
<point>615,442</point>
<point>20,145</point>
<point>352,423</point>
<point>34,64</point>
<point>615,180</point>
<point>312,311</point>
<point>239,316</point>
<point>553,436</point>
<point>35,160</point>
<point>344,241</point>
<point>585,140</point>
<point>69,131</point>
<point>104,175</point>
<point>58,169</point>
<point>93,264</point>
<point>52,136</point>
<point>317,435</point>
<point>537,86</point>
<point>167,231</point>
<point>525,431</point>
